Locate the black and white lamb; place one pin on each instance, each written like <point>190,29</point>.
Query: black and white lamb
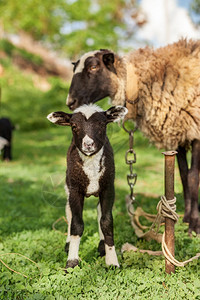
<point>90,171</point>
<point>161,89</point>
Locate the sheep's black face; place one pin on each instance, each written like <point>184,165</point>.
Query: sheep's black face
<point>89,134</point>
<point>91,80</point>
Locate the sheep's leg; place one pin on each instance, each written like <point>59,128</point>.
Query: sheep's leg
<point>76,228</point>
<point>183,168</point>
<point>101,247</point>
<point>106,223</point>
<point>193,180</point>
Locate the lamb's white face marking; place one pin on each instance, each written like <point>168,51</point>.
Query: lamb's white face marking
<point>94,168</point>
<point>81,64</point>
<point>111,256</point>
<point>74,247</point>
<point>88,110</point>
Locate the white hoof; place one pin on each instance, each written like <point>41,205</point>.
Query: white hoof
<point>111,256</point>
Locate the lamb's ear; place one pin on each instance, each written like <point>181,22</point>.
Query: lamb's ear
<point>60,118</point>
<point>108,59</point>
<point>116,113</point>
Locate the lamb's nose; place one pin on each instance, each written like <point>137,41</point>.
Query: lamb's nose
<point>88,144</point>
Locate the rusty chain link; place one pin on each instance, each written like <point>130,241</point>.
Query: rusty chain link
<point>130,158</point>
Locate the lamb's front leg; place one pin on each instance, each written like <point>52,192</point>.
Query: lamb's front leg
<point>76,228</point>
<point>69,219</point>
<point>106,223</point>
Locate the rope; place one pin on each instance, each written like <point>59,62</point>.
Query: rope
<point>2,254</point>
<point>166,209</point>
<point>164,206</point>
<point>172,259</point>
<point>57,221</point>
<point>23,257</point>
<point>129,247</point>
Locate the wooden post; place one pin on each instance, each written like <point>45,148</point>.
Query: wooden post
<point>169,194</point>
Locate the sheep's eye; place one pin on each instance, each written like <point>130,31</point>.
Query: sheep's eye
<point>93,68</point>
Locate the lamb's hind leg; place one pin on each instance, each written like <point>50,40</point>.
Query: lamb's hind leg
<point>183,168</point>
<point>193,180</point>
<point>106,223</point>
<point>101,247</point>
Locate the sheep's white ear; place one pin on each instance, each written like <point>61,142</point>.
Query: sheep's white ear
<point>116,113</point>
<point>60,118</point>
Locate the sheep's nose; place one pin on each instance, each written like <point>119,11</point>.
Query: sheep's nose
<point>71,103</point>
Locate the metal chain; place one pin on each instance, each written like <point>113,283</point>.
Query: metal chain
<point>130,159</point>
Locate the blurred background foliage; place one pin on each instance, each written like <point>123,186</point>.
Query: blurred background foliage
<point>72,26</point>
<point>35,34</point>
<point>33,80</point>
<point>196,6</point>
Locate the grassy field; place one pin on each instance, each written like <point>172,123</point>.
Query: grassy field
<point>32,199</point>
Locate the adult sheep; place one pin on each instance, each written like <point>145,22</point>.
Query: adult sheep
<point>161,89</point>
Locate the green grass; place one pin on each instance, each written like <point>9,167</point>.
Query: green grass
<point>30,205</point>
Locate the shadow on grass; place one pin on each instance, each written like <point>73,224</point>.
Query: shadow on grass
<point>41,146</point>
<point>30,205</point>
<point>23,207</point>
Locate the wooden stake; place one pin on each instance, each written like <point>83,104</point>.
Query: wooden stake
<point>169,194</point>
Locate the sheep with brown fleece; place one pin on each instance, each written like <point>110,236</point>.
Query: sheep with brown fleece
<point>161,89</point>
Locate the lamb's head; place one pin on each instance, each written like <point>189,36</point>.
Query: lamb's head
<point>88,124</point>
<point>97,74</point>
